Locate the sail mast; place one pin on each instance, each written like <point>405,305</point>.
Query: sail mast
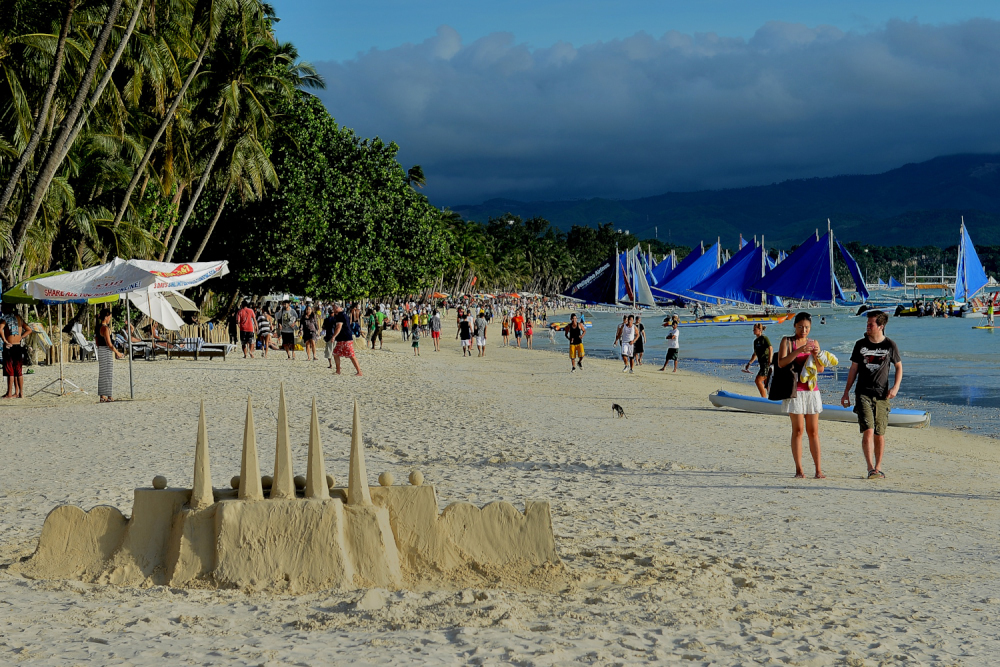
<point>763,268</point>
<point>833,277</point>
<point>963,265</point>
<point>617,272</point>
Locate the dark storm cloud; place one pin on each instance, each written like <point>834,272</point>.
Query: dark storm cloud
<point>644,115</point>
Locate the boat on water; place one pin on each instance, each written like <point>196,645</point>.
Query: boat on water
<point>559,326</point>
<point>835,413</point>
<point>734,319</point>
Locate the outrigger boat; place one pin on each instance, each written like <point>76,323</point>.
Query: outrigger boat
<point>735,319</point>
<point>833,413</point>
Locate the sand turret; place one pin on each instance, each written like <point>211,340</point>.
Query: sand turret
<point>316,486</point>
<point>357,474</point>
<point>250,487</point>
<point>201,492</point>
<point>283,485</point>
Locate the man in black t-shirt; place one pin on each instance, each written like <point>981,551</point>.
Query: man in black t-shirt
<point>343,339</point>
<point>575,333</point>
<point>870,363</point>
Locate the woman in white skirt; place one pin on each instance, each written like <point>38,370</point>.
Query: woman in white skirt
<point>805,406</point>
<point>106,354</point>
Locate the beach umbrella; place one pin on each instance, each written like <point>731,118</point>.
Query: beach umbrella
<point>18,295</point>
<point>173,276</point>
<point>180,302</point>
<point>440,295</point>
<point>155,306</point>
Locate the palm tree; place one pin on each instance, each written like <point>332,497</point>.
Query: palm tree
<point>249,79</point>
<point>415,176</point>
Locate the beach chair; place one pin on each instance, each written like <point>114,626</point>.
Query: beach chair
<point>194,348</point>
<point>87,348</point>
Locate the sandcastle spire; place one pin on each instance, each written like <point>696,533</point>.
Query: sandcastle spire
<point>357,479</point>
<point>250,488</point>
<point>284,481</point>
<point>201,492</point>
<point>316,472</point>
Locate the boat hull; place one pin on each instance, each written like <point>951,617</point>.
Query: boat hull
<point>758,405</point>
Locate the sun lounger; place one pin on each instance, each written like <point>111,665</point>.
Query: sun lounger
<point>195,348</point>
<point>87,348</point>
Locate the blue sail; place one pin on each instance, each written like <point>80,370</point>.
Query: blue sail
<point>893,283</point>
<point>661,272</point>
<point>852,267</point>
<point>881,283</point>
<point>970,275</point>
<point>626,289</point>
<point>598,286</point>
<point>732,282</point>
<point>804,275</point>
<point>689,273</point>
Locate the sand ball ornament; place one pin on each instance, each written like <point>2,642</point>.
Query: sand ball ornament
<point>330,481</point>
<point>416,478</point>
<point>159,482</point>
<point>385,479</point>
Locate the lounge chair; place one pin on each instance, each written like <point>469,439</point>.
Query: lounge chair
<point>195,348</point>
<point>87,348</point>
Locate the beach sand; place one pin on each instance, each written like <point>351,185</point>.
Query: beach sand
<point>684,536</point>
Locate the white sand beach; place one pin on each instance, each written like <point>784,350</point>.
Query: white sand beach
<point>684,537</point>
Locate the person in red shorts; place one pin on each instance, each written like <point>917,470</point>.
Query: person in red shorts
<point>343,339</point>
<point>12,330</point>
<point>436,329</point>
<point>518,322</point>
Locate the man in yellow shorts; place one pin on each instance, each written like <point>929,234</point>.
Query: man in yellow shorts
<point>575,332</point>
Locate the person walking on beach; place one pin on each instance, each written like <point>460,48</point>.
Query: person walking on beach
<point>870,363</point>
<point>574,333</point>
<point>479,327</point>
<point>264,329</point>
<point>106,355</point>
<point>505,330</point>
<point>762,352</point>
<point>805,405</point>
<point>287,319</point>
<point>246,319</point>
<point>13,329</point>
<point>310,331</point>
<point>329,334</point>
<point>343,339</point>
<point>626,336</point>
<point>673,345</point>
<point>518,322</point>
<point>529,331</point>
<point>415,335</point>
<point>640,339</point>
<point>465,334</point>
<point>435,330</point>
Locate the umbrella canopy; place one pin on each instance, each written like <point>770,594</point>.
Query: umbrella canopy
<point>180,302</point>
<point>173,276</point>
<point>154,305</point>
<point>439,295</point>
<point>108,280</point>
<point>16,294</point>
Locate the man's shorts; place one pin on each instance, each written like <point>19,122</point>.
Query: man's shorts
<point>672,353</point>
<point>288,338</point>
<point>628,349</point>
<point>576,351</point>
<point>873,413</point>
<point>466,342</point>
<point>246,337</point>
<point>435,335</point>
<point>328,349</point>
<point>517,333</point>
<point>480,341</point>
<point>344,348</point>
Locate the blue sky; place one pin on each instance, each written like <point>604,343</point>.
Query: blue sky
<point>553,100</point>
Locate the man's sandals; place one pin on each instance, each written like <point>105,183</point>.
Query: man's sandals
<point>876,474</point>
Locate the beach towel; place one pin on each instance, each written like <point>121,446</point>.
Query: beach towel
<point>808,374</point>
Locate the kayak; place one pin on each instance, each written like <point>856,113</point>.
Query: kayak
<point>734,319</point>
<point>559,326</point>
<point>756,404</point>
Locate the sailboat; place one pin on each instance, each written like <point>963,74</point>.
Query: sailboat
<point>731,283</point>
<point>620,281</point>
<point>808,274</point>
<point>698,265</point>
<point>970,276</point>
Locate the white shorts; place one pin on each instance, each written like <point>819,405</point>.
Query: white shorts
<point>466,342</point>
<point>804,403</point>
<point>628,349</point>
<point>480,341</point>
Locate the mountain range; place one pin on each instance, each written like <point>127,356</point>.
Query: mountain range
<point>917,204</point>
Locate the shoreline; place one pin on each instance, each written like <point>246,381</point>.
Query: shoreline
<point>681,529</point>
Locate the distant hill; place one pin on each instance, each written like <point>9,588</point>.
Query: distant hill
<point>914,205</point>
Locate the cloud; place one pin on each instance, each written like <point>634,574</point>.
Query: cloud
<point>644,115</point>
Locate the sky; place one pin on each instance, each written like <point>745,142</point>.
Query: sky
<point>564,100</point>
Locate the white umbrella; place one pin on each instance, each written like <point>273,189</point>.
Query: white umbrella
<point>174,276</point>
<point>155,306</point>
<point>179,301</point>
<point>115,277</point>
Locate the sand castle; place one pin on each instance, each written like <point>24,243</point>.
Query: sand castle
<point>299,538</point>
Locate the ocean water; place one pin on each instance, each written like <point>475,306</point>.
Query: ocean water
<point>949,369</point>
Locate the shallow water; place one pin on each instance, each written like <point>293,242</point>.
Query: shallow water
<point>949,368</point>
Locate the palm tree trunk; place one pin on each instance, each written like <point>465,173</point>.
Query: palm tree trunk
<point>215,219</point>
<point>167,118</point>
<point>52,160</point>
<point>43,112</point>
<point>194,199</point>
<point>102,84</point>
